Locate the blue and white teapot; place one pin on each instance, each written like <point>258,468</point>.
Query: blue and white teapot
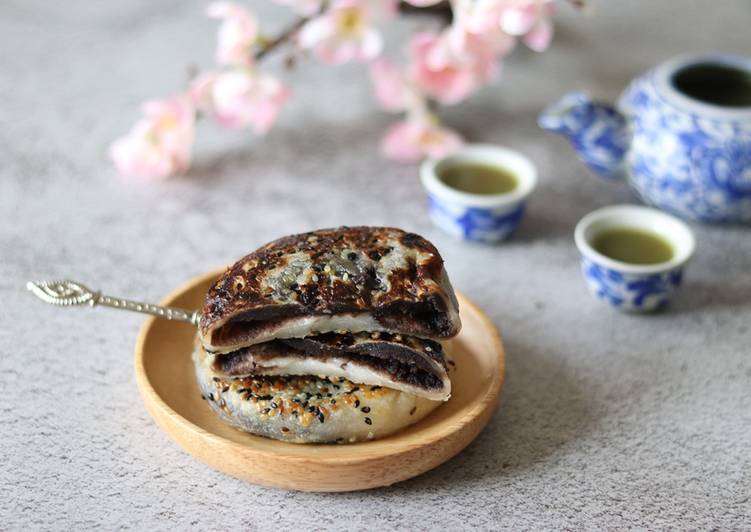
<point>681,135</point>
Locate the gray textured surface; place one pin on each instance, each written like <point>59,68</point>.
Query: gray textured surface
<point>606,420</point>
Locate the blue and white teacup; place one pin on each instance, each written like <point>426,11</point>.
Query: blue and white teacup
<point>633,287</point>
<point>486,218</point>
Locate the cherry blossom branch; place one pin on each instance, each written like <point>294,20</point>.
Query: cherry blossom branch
<point>442,9</point>
<point>282,38</point>
<point>444,66</point>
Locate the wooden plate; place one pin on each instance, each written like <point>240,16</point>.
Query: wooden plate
<point>164,372</point>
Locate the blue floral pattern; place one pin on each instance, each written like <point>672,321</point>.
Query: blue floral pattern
<point>476,223</point>
<point>631,292</point>
<point>599,133</point>
<point>694,166</point>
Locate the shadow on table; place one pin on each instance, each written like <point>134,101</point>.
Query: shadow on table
<point>544,409</point>
<point>217,168</point>
<point>700,298</point>
<point>541,224</point>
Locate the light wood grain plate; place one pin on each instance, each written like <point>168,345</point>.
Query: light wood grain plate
<point>164,372</point>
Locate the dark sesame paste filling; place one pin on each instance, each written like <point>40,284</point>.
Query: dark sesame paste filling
<point>426,318</point>
<point>399,364</point>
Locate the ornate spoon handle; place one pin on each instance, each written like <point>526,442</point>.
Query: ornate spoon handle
<point>69,293</point>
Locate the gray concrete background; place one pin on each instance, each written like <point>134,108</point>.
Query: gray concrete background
<point>606,420</point>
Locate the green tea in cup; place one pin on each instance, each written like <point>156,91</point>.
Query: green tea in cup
<point>633,257</point>
<point>478,178</point>
<point>633,246</point>
<point>479,191</point>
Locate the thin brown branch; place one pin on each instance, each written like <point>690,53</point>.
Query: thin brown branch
<point>281,38</point>
<point>442,9</point>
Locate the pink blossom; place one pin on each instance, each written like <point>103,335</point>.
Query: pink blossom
<point>479,53</point>
<point>540,36</point>
<point>438,72</point>
<point>531,19</point>
<point>241,97</point>
<point>391,91</point>
<point>160,144</point>
<point>480,16</point>
<point>345,32</point>
<point>200,90</point>
<point>237,34</point>
<point>413,139</point>
<point>304,7</point>
<point>475,32</point>
<point>450,65</point>
<point>528,19</point>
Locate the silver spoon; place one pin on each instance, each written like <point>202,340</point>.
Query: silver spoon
<point>69,293</point>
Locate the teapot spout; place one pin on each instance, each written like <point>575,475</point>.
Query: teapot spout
<point>599,133</point>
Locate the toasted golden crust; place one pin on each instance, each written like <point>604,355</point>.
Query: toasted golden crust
<point>377,278</point>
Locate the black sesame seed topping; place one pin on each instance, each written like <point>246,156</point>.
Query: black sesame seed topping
<point>265,397</point>
<point>224,390</point>
<point>374,388</point>
<point>365,409</point>
<point>320,416</point>
<point>274,405</point>
<point>285,429</point>
<point>352,256</point>
<point>357,403</point>
<point>333,401</point>
<point>203,397</point>
<point>216,379</point>
<point>265,411</point>
<point>414,408</point>
<point>368,421</point>
<point>211,396</point>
